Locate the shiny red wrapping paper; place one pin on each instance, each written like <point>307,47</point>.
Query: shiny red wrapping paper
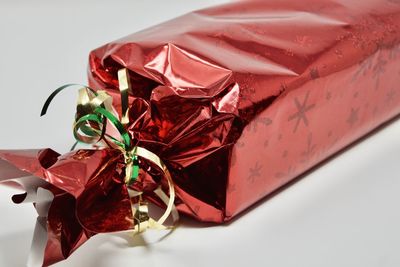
<point>247,96</point>
<point>240,98</point>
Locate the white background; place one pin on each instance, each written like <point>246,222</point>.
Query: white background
<point>345,213</point>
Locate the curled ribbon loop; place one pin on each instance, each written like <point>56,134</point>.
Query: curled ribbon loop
<point>94,111</point>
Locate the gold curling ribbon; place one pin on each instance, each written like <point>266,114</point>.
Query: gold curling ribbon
<point>140,213</point>
<point>124,88</point>
<point>94,109</point>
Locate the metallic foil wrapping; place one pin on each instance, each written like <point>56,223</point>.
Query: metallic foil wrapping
<point>247,96</point>
<point>240,99</point>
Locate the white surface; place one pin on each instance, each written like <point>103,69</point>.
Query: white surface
<point>345,213</point>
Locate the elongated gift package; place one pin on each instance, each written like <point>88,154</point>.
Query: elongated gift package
<point>210,112</point>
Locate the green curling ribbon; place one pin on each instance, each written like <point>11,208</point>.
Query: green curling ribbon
<point>135,169</point>
<point>93,126</point>
<point>94,109</point>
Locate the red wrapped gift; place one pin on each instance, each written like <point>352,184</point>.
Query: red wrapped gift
<point>236,100</point>
<point>246,97</point>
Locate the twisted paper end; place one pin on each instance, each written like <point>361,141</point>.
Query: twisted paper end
<point>94,110</point>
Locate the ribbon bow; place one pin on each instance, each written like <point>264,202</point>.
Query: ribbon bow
<point>94,111</point>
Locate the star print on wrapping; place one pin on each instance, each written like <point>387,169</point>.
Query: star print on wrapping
<point>254,173</point>
<point>390,97</point>
<point>303,40</point>
<point>301,114</point>
<point>353,117</point>
<point>314,73</point>
<point>255,123</point>
<point>328,96</point>
<point>363,68</point>
<point>378,70</point>
<point>310,150</point>
<point>247,91</point>
<point>289,172</point>
<point>266,143</point>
